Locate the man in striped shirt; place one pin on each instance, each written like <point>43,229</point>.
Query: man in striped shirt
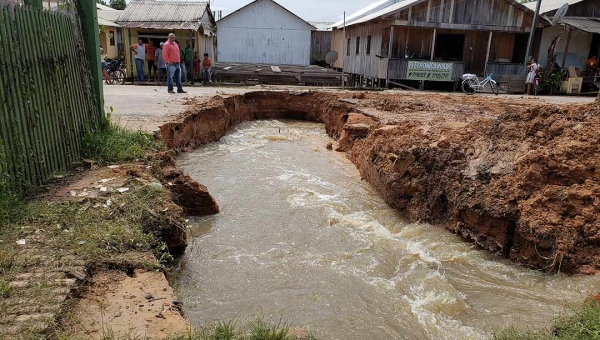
<point>172,57</point>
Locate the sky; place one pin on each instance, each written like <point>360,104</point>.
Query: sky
<point>309,10</point>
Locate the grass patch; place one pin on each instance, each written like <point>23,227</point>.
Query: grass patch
<point>95,230</point>
<point>584,324</point>
<point>113,144</point>
<point>261,330</point>
<point>257,330</point>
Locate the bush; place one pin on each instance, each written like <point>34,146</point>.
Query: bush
<point>113,144</point>
<point>584,324</point>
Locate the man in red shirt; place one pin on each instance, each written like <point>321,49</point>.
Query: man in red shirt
<point>151,59</point>
<point>172,58</point>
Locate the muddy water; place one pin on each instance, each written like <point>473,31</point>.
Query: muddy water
<point>300,236</point>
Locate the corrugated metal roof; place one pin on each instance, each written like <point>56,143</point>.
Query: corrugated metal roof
<point>110,15</point>
<point>550,5</point>
<point>386,11</point>
<point>590,25</point>
<point>364,11</point>
<point>321,26</point>
<point>172,15</point>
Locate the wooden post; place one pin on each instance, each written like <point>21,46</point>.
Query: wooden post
<point>451,19</point>
<point>428,11</point>
<point>91,40</point>
<point>390,50</point>
<point>433,43</point>
<point>441,14</point>
<point>487,56</point>
<point>410,13</point>
<point>566,49</point>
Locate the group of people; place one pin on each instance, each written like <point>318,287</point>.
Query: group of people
<point>171,61</point>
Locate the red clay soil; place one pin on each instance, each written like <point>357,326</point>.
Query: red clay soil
<point>518,178</point>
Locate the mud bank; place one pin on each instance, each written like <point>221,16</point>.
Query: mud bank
<point>517,178</point>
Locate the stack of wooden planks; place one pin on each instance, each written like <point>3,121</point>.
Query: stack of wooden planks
<point>276,74</point>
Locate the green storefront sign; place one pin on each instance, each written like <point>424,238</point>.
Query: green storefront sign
<point>429,70</point>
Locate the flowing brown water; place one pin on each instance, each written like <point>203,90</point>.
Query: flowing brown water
<point>300,236</point>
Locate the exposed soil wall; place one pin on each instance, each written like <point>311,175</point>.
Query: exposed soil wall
<point>519,179</point>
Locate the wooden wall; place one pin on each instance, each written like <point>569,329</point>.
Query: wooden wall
<point>419,40</point>
<point>367,65</point>
<point>499,15</point>
<point>320,44</point>
<point>337,44</point>
<point>502,47</point>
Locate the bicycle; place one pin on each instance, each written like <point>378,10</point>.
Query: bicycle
<point>472,85</point>
<point>116,71</point>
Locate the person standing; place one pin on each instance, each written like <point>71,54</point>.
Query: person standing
<point>140,56</point>
<point>104,66</point>
<point>160,63</point>
<point>172,57</point>
<point>197,68</point>
<point>187,58</point>
<point>151,59</point>
<point>532,68</point>
<point>206,68</point>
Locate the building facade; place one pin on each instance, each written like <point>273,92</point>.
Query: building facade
<point>264,32</point>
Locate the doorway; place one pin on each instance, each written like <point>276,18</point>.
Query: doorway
<point>449,47</point>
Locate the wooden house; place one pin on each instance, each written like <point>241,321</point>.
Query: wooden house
<point>264,32</point>
<point>153,20</point>
<point>433,40</point>
<point>320,42</point>
<point>577,35</point>
<point>111,33</point>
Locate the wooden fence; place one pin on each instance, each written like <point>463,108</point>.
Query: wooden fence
<point>47,99</point>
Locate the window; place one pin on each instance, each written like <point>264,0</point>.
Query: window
<point>357,45</point>
<point>449,47</point>
<point>111,37</point>
<point>348,48</point>
<point>368,45</point>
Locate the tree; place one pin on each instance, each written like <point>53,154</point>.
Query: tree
<point>118,4</point>
<point>101,2</point>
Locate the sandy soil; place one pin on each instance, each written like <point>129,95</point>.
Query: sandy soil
<point>148,107</point>
<point>131,307</point>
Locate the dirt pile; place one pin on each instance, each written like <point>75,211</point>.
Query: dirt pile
<point>516,177</point>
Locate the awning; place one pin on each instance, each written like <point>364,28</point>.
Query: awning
<point>589,25</point>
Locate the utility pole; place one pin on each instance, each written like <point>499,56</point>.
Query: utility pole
<point>344,53</point>
<point>533,26</point>
<point>91,40</point>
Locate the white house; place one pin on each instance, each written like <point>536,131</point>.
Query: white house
<point>264,32</point>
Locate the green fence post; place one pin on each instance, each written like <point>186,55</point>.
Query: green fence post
<point>34,3</point>
<point>91,37</point>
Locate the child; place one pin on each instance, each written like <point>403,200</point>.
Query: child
<point>196,65</point>
<point>532,68</point>
<point>206,65</point>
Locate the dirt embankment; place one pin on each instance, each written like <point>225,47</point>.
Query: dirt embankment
<point>520,179</point>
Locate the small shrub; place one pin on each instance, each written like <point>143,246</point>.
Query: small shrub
<point>4,290</point>
<point>261,330</point>
<point>225,330</point>
<point>114,144</point>
<point>584,324</point>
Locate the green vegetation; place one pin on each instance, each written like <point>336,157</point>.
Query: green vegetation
<point>113,144</point>
<point>258,330</point>
<point>584,324</point>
